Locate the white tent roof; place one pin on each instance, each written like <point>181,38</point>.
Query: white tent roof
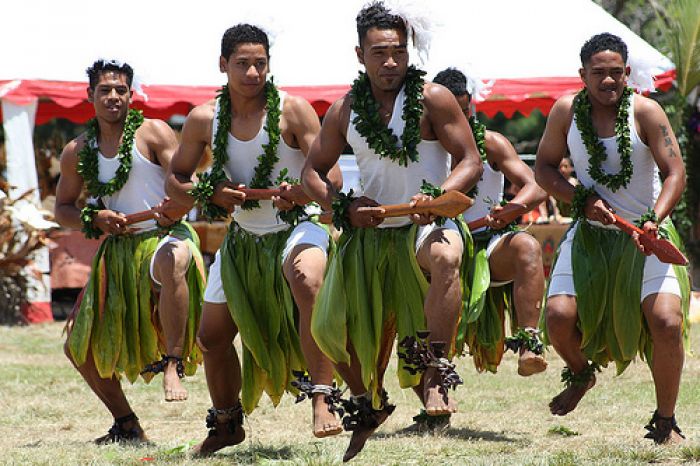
<point>177,42</point>
<point>174,42</point>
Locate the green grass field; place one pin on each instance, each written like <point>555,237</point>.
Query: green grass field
<point>49,416</point>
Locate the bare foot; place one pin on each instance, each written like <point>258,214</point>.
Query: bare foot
<point>530,363</point>
<point>325,422</point>
<point>172,385</point>
<point>361,434</point>
<point>126,432</point>
<point>436,399</point>
<point>220,438</point>
<point>566,401</point>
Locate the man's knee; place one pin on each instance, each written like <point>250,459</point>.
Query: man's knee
<point>528,252</point>
<point>305,271</point>
<point>560,314</point>
<point>445,259</point>
<point>213,338</point>
<point>665,320</point>
<point>171,261</point>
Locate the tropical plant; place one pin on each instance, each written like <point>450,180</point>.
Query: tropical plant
<point>681,31</point>
<point>22,231</point>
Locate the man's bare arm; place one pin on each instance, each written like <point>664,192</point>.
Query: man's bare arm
<point>551,151</point>
<point>666,152</point>
<point>452,130</point>
<point>306,127</point>
<point>162,141</point>
<point>183,163</point>
<point>501,152</point>
<point>323,156</point>
<point>70,185</point>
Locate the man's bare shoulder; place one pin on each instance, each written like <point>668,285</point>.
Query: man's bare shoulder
<point>564,104</point>
<point>436,96</point>
<point>74,146</point>
<point>498,147</point>
<point>647,110</point>
<point>156,130</point>
<point>339,111</point>
<point>203,112</point>
<point>297,109</point>
<point>497,142</point>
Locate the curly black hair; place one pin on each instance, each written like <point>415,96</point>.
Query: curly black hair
<point>100,66</point>
<point>454,80</point>
<point>601,43</point>
<point>243,34</point>
<point>376,15</point>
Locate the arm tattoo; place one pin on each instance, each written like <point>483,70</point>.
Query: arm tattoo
<point>667,141</point>
<point>664,130</point>
<point>671,152</point>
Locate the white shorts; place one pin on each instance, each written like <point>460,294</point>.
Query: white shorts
<point>425,230</point>
<point>493,242</point>
<point>163,241</point>
<point>657,276</point>
<point>304,233</point>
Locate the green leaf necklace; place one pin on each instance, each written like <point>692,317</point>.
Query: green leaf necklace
<point>596,149</point>
<point>266,160</point>
<point>379,137</point>
<point>88,165</point>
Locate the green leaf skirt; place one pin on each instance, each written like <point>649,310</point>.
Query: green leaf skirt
<point>263,309</point>
<point>373,291</point>
<point>117,319</point>
<point>481,330</point>
<point>608,270</point>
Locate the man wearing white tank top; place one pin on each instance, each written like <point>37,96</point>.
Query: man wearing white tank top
<point>514,269</point>
<point>402,131</point>
<point>608,299</point>
<point>137,314</point>
<point>259,137</point>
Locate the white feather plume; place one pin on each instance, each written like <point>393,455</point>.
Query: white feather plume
<point>137,82</point>
<point>642,72</point>
<point>261,18</point>
<point>477,88</point>
<point>418,20</point>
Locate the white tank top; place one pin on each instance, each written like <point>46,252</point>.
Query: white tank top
<point>240,168</point>
<point>145,187</point>
<point>644,186</point>
<point>490,193</point>
<point>386,181</point>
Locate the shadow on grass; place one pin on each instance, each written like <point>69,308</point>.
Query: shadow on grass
<point>462,433</point>
<point>254,454</point>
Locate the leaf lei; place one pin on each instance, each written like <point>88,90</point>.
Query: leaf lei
<point>580,379</point>
<point>479,132</point>
<point>204,188</point>
<point>527,338</point>
<point>596,149</point>
<point>88,165</point>
<point>87,218</point>
<point>433,191</point>
<point>340,206</point>
<point>379,137</point>
<point>578,203</point>
<point>294,215</point>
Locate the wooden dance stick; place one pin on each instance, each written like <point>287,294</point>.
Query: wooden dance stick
<point>450,204</point>
<point>170,209</point>
<point>510,212</point>
<point>660,247</point>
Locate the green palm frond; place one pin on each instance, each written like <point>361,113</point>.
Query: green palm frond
<point>682,32</point>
